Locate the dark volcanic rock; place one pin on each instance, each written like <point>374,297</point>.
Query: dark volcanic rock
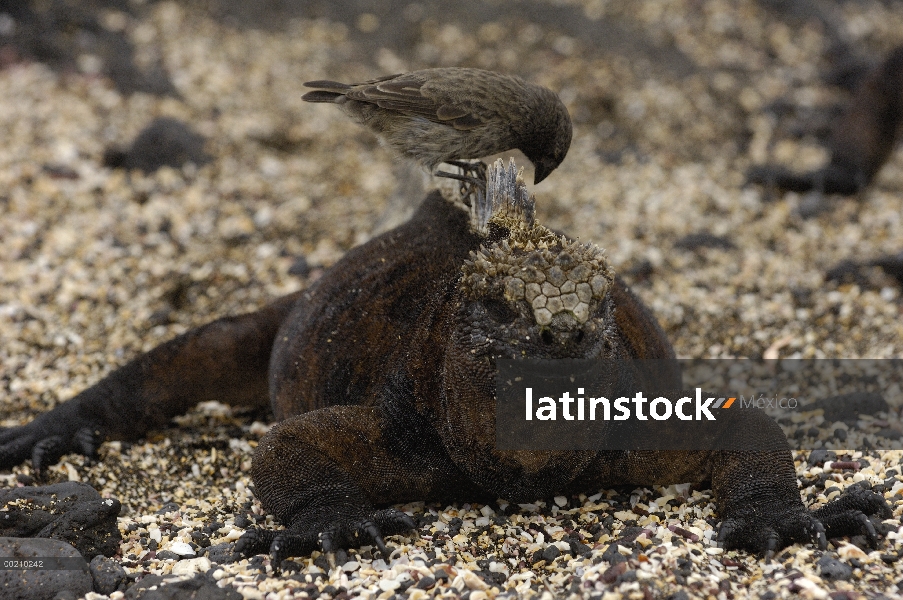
<point>870,274</point>
<point>704,239</point>
<point>222,554</point>
<point>165,142</point>
<point>71,511</point>
<point>42,584</point>
<point>108,575</point>
<point>200,587</point>
<point>833,569</point>
<point>820,455</point>
<point>57,33</point>
<point>300,267</point>
<point>848,407</point>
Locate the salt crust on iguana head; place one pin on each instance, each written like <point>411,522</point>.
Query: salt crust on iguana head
<point>552,274</point>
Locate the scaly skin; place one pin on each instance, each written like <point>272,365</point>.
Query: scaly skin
<point>382,375</point>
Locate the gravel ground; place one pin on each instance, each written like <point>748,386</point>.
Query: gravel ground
<point>671,100</point>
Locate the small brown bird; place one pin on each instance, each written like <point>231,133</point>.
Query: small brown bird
<point>447,115</point>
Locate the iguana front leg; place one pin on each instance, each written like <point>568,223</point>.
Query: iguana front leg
<point>761,508</point>
<point>324,473</point>
<point>755,487</point>
<point>225,360</point>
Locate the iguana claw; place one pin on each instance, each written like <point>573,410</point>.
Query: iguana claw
<point>768,533</point>
<point>303,537</point>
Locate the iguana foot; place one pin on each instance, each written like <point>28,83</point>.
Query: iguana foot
<point>45,442</point>
<point>328,535</point>
<point>849,514</point>
<point>254,541</point>
<point>767,533</point>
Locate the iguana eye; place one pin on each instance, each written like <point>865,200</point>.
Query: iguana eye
<point>499,311</point>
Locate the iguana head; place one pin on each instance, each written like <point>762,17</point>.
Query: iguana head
<point>526,293</point>
<point>529,292</point>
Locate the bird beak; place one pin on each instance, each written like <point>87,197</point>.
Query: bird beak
<point>542,171</point>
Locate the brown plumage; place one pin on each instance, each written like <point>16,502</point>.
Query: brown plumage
<point>440,115</point>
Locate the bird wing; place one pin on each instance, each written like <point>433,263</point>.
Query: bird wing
<point>405,94</point>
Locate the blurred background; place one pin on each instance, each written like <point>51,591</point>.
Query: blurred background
<point>159,169</point>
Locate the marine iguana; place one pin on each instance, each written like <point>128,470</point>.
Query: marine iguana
<point>382,377</point>
<point>862,138</point>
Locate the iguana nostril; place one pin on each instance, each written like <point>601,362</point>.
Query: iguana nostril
<point>562,336</point>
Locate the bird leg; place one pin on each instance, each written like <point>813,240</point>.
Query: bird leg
<point>478,168</point>
<point>472,178</point>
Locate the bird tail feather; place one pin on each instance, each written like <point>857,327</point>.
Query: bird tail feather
<point>325,84</point>
<point>324,96</point>
<point>326,91</point>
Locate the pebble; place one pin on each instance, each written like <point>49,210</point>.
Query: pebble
<point>191,566</point>
<point>389,585</point>
<point>834,570</point>
<point>471,580</point>
<point>351,565</point>
<point>849,551</point>
<point>181,548</point>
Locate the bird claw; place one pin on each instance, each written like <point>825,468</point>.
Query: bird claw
<point>472,178</point>
<point>470,189</point>
<point>477,169</point>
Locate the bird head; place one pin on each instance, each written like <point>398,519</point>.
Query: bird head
<point>543,166</point>
<point>549,144</point>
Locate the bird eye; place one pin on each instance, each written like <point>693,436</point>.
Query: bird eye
<point>500,312</point>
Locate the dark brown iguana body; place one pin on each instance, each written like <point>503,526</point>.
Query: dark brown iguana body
<point>862,138</point>
<point>382,374</point>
